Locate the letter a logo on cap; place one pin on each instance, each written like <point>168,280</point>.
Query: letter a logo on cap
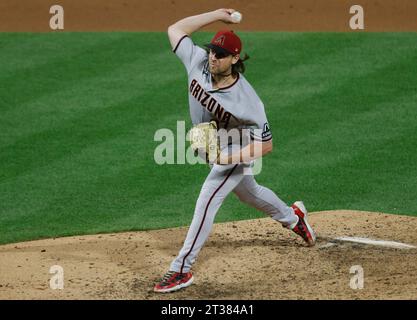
<point>219,41</point>
<point>228,41</point>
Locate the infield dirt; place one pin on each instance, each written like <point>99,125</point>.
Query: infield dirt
<point>259,15</point>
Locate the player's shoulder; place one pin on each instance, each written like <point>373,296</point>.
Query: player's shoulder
<point>248,88</point>
<point>193,56</point>
<point>248,92</point>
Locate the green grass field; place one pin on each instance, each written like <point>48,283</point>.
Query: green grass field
<point>78,113</point>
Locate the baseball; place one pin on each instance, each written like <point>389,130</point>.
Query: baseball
<point>236,16</point>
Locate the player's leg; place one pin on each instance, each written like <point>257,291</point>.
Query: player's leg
<point>264,199</point>
<point>218,184</point>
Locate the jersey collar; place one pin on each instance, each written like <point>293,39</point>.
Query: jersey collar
<point>223,88</point>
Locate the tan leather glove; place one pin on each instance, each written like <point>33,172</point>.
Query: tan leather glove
<point>203,139</point>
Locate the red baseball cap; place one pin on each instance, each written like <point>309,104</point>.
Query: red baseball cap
<point>226,42</point>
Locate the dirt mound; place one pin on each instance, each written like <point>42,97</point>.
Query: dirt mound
<point>255,259</point>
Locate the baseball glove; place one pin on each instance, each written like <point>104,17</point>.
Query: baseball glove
<point>203,139</point>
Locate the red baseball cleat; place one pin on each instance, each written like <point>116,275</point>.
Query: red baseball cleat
<point>173,281</point>
<point>302,227</point>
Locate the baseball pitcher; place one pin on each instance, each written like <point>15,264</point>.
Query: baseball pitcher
<point>220,98</point>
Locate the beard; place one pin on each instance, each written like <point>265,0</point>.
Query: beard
<point>218,71</point>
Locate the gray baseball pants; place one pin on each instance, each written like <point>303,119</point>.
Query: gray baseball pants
<point>222,180</point>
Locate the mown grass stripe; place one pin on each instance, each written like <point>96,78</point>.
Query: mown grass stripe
<point>78,113</point>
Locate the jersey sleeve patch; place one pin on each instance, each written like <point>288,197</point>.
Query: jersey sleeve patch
<point>263,134</point>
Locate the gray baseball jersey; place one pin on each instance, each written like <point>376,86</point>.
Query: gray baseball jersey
<point>234,107</point>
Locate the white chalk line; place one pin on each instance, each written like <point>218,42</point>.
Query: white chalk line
<point>374,242</point>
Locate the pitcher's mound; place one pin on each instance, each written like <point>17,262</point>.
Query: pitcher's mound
<point>254,259</point>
